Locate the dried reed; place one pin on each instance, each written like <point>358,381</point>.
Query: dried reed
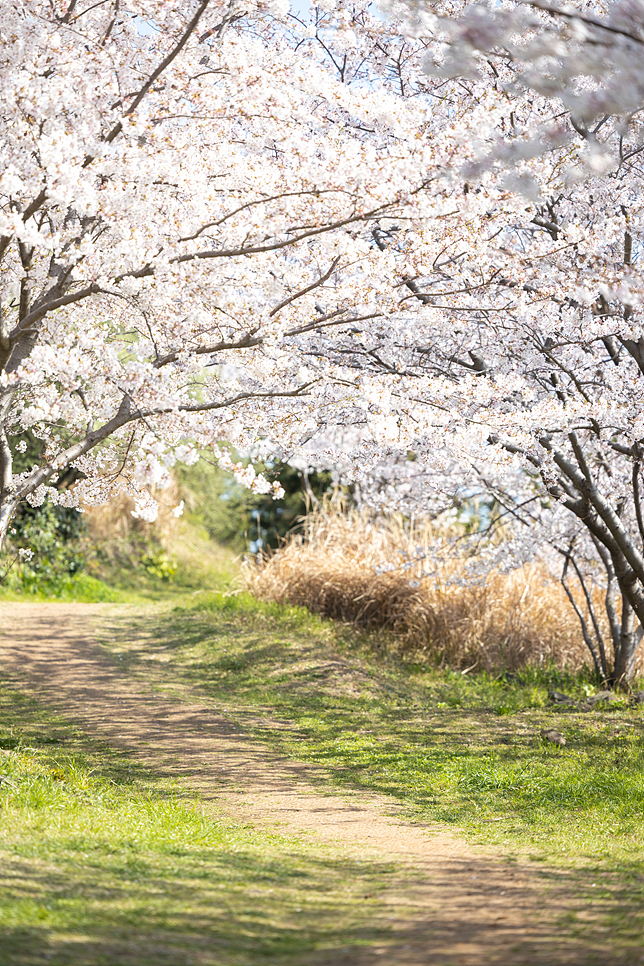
<point>339,568</point>
<point>114,521</point>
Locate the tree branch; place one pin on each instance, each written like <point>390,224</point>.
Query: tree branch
<point>246,342</point>
<point>251,204</point>
<point>309,288</point>
<point>590,644</point>
<point>165,63</point>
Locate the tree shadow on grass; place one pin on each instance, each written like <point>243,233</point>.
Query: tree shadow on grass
<point>242,909</point>
<point>228,908</point>
<point>152,910</point>
<point>311,718</point>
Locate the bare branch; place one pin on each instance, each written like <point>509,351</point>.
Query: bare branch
<point>67,18</point>
<point>637,466</point>
<point>583,18</point>
<point>321,323</point>
<point>42,310</point>
<point>309,288</point>
<point>247,341</point>
<point>207,407</point>
<point>604,510</point>
<point>590,644</point>
<point>165,63</point>
<point>69,12</point>
<point>591,610</point>
<point>252,204</point>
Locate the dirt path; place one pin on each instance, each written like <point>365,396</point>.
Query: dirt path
<point>451,905</point>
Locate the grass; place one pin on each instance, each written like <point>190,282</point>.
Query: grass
<point>82,588</point>
<point>457,750</point>
<point>195,562</point>
<point>102,862</point>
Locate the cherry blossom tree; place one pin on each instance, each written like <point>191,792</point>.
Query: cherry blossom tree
<point>548,358</point>
<point>179,182</point>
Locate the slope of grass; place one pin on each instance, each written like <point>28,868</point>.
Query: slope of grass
<point>462,750</point>
<point>82,588</point>
<point>148,571</point>
<point>191,559</point>
<point>103,863</point>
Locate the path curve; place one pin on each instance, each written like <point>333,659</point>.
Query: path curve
<point>462,906</point>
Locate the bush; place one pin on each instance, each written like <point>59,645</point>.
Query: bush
<point>57,538</point>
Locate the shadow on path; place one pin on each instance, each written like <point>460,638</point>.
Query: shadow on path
<point>449,905</point>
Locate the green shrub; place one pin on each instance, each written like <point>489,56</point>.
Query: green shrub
<point>57,539</point>
<point>157,563</point>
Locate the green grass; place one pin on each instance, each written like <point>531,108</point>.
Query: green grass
<point>121,585</point>
<point>460,750</point>
<point>137,573</point>
<point>196,563</point>
<point>82,588</point>
<point>102,862</point>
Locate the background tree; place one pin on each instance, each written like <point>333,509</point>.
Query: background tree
<point>235,516</point>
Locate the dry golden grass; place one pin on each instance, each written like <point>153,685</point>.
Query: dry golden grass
<point>119,540</point>
<point>336,568</point>
<point>114,521</point>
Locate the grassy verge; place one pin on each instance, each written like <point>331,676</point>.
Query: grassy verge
<point>462,750</point>
<point>82,589</point>
<point>194,562</point>
<point>103,863</point>
<point>144,571</point>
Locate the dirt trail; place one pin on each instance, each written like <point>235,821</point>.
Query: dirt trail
<point>451,905</point>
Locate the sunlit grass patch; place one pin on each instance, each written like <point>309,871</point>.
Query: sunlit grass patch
<point>465,749</point>
<point>102,863</point>
<point>82,588</point>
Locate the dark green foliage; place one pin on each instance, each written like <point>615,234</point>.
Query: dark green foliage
<point>57,537</point>
<point>233,515</point>
<point>273,519</point>
<point>31,456</point>
<point>157,563</point>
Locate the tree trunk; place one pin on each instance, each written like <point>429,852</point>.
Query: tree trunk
<point>625,647</point>
<point>7,510</point>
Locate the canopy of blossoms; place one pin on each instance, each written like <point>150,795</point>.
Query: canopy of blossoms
<point>189,195</point>
<point>341,237</point>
